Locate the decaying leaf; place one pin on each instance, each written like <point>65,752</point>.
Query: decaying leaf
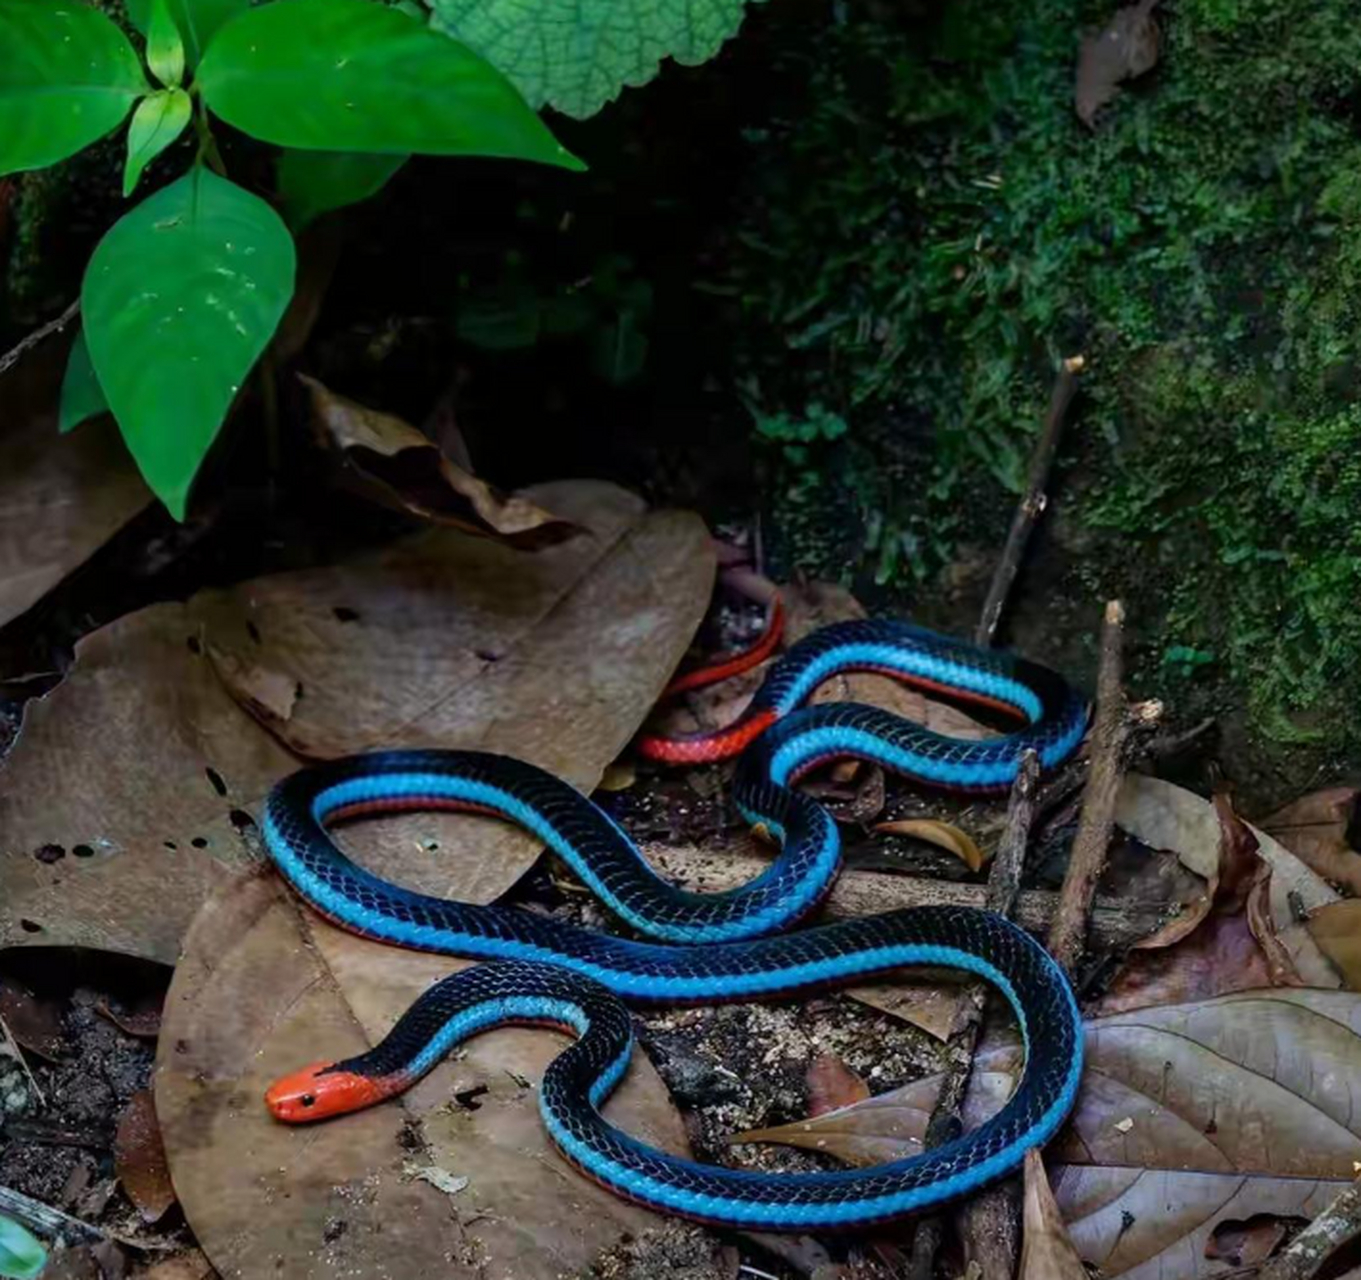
<point>1336,928</point>
<point>1125,49</point>
<point>1316,829</point>
<point>928,1002</point>
<point>943,835</point>
<point>141,768</point>
<point>1188,1115</point>
<point>832,1084</point>
<point>34,1024</point>
<point>139,1158</point>
<point>1047,1253</point>
<point>1247,1243</point>
<point>264,988</point>
<point>61,496</point>
<point>390,461</point>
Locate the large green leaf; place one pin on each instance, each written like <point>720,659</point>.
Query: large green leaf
<point>196,19</point>
<point>315,182</point>
<point>160,118</point>
<point>577,57</point>
<point>352,75</point>
<point>67,77</point>
<point>81,395</point>
<point>179,300</point>
<point>164,45</point>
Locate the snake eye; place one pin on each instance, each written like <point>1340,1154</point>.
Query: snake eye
<point>308,1100</point>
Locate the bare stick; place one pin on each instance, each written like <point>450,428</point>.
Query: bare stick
<point>17,353</point>
<point>1305,1255</point>
<point>46,1221</point>
<point>1032,505</point>
<point>1116,923</point>
<point>1068,935</point>
<point>1004,884</point>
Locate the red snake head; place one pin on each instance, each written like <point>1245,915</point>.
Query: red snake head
<point>319,1091</point>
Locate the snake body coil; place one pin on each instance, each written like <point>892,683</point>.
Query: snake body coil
<point>713,946</point>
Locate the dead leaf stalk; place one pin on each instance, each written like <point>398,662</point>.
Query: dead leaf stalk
<point>1004,883</point>
<point>1032,503</point>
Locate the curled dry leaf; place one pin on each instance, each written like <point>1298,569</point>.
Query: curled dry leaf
<point>1317,829</point>
<point>941,834</point>
<point>1126,48</point>
<point>265,987</point>
<point>1188,1115</point>
<point>139,1158</point>
<point>1336,928</point>
<point>145,763</point>
<point>61,496</point>
<point>1047,1253</point>
<point>390,461</point>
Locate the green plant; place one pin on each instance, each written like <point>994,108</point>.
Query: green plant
<point>22,1256</point>
<point>185,291</point>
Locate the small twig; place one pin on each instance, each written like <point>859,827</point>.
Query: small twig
<point>17,353</point>
<point>1305,1255</point>
<point>1032,505</point>
<point>1004,884</point>
<point>46,1221</point>
<point>18,1055</point>
<point>1068,934</point>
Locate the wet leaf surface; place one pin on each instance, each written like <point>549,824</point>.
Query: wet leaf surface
<point>265,987</point>
<point>144,770</point>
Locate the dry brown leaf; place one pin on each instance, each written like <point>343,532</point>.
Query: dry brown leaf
<point>929,1003</point>
<point>1280,963</point>
<point>264,988</point>
<point>1127,48</point>
<point>34,1024</point>
<point>941,834</point>
<point>139,1158</point>
<point>143,760</point>
<point>390,461</point>
<point>1337,930</point>
<point>832,1085</point>
<point>61,496</point>
<point>1247,1243</point>
<point>1240,861</point>
<point>1046,1251</point>
<point>183,1266</point>
<point>1165,816</point>
<point>143,1021</point>
<point>1315,829</point>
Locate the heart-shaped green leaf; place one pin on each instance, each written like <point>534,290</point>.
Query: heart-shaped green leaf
<point>81,395</point>
<point>180,298</point>
<point>160,118</point>
<point>353,75</point>
<point>164,48</point>
<point>197,20</point>
<point>315,182</point>
<point>67,77</point>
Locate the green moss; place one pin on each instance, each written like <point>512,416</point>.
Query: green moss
<point>931,228</point>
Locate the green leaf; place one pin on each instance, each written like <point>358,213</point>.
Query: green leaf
<point>21,1254</point>
<point>82,397</point>
<point>352,75</point>
<point>197,20</point>
<point>164,48</point>
<point>67,77</point>
<point>180,298</point>
<point>159,119</point>
<point>577,57</point>
<point>315,182</point>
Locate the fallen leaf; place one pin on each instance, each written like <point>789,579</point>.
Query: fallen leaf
<point>930,1003</point>
<point>1165,816</point>
<point>263,988</point>
<point>139,1158</point>
<point>144,1022</point>
<point>832,1084</point>
<point>183,1266</point>
<point>941,834</point>
<point>61,496</point>
<point>1239,857</point>
<point>1336,927</point>
<point>1279,962</point>
<point>1245,1244</point>
<point>390,461</point>
<point>440,1179</point>
<point>1046,1251</point>
<point>1127,48</point>
<point>144,769</point>
<point>34,1024</point>
<point>1315,828</point>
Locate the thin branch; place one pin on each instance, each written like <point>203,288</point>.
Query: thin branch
<point>1068,935</point>
<point>1304,1256</point>
<point>1004,883</point>
<point>46,1221</point>
<point>17,353</point>
<point>1032,505</point>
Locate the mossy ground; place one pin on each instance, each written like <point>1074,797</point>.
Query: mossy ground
<point>930,228</point>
